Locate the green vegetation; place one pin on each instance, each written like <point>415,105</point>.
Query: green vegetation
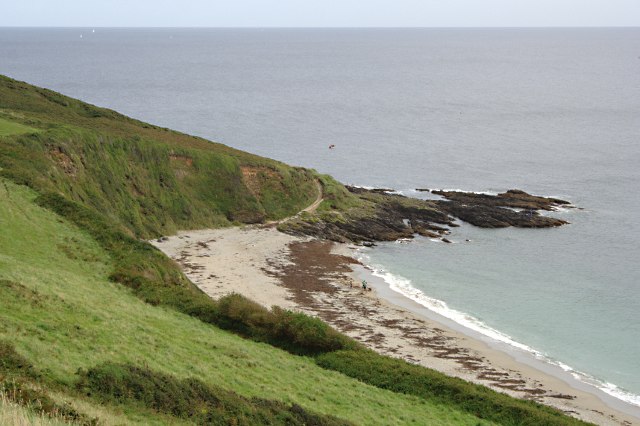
<point>10,128</point>
<point>337,198</point>
<point>295,332</point>
<point>38,401</point>
<point>12,364</point>
<point>400,376</point>
<point>103,326</point>
<point>148,179</point>
<point>17,387</point>
<point>12,413</point>
<point>191,398</point>
<point>157,280</point>
<point>62,313</point>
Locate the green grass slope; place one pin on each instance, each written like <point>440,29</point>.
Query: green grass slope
<point>62,313</point>
<point>12,128</point>
<point>149,179</point>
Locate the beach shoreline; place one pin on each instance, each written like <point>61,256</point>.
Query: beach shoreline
<point>323,279</point>
<point>525,362</point>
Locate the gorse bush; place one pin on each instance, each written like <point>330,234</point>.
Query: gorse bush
<point>296,332</point>
<point>191,398</point>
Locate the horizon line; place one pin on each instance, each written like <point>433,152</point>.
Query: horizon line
<point>320,27</point>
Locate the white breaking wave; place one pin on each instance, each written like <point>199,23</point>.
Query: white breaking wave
<point>558,209</point>
<point>404,286</point>
<point>494,193</point>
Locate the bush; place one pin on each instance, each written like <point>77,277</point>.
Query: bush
<point>17,385</point>
<point>399,376</point>
<point>295,332</point>
<point>312,334</point>
<point>22,393</point>
<point>190,398</point>
<point>12,364</point>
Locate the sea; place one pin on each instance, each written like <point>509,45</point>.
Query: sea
<point>554,112</point>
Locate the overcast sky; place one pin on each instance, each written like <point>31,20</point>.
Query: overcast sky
<point>319,13</point>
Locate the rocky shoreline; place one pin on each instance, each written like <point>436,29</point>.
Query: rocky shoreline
<point>387,216</point>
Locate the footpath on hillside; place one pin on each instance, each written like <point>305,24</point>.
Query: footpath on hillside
<point>309,209</point>
<point>319,199</point>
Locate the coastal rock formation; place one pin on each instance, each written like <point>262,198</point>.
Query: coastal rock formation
<point>511,208</point>
<point>485,216</point>
<point>513,198</point>
<point>383,215</point>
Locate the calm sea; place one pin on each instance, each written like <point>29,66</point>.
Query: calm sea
<point>554,112</point>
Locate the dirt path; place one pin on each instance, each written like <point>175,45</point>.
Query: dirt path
<point>309,209</point>
<point>312,208</point>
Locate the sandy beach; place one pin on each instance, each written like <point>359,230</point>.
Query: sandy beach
<point>323,279</point>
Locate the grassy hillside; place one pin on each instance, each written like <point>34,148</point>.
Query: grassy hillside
<point>98,326</point>
<point>149,179</point>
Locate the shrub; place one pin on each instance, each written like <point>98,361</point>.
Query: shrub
<point>12,364</point>
<point>312,334</point>
<point>293,331</point>
<point>22,393</point>
<point>190,398</point>
<point>16,385</point>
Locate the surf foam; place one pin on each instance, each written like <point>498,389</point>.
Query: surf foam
<point>404,287</point>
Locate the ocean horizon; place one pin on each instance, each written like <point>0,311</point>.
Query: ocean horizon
<point>554,112</point>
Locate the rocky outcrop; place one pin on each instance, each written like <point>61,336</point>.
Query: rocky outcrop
<point>387,216</point>
<point>385,223</point>
<point>511,208</point>
<point>485,216</point>
<point>513,198</point>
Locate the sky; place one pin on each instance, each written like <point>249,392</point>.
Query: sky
<point>319,13</point>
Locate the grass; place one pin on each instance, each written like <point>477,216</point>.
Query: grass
<point>12,413</point>
<point>34,397</point>
<point>192,399</point>
<point>12,128</point>
<point>400,376</point>
<point>149,180</point>
<point>63,313</point>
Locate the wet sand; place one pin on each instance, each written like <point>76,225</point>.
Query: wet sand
<point>323,279</point>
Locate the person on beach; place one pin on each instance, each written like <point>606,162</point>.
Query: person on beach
<point>364,285</point>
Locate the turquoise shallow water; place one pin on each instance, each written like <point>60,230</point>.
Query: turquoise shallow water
<point>554,112</point>
<point>557,307</point>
